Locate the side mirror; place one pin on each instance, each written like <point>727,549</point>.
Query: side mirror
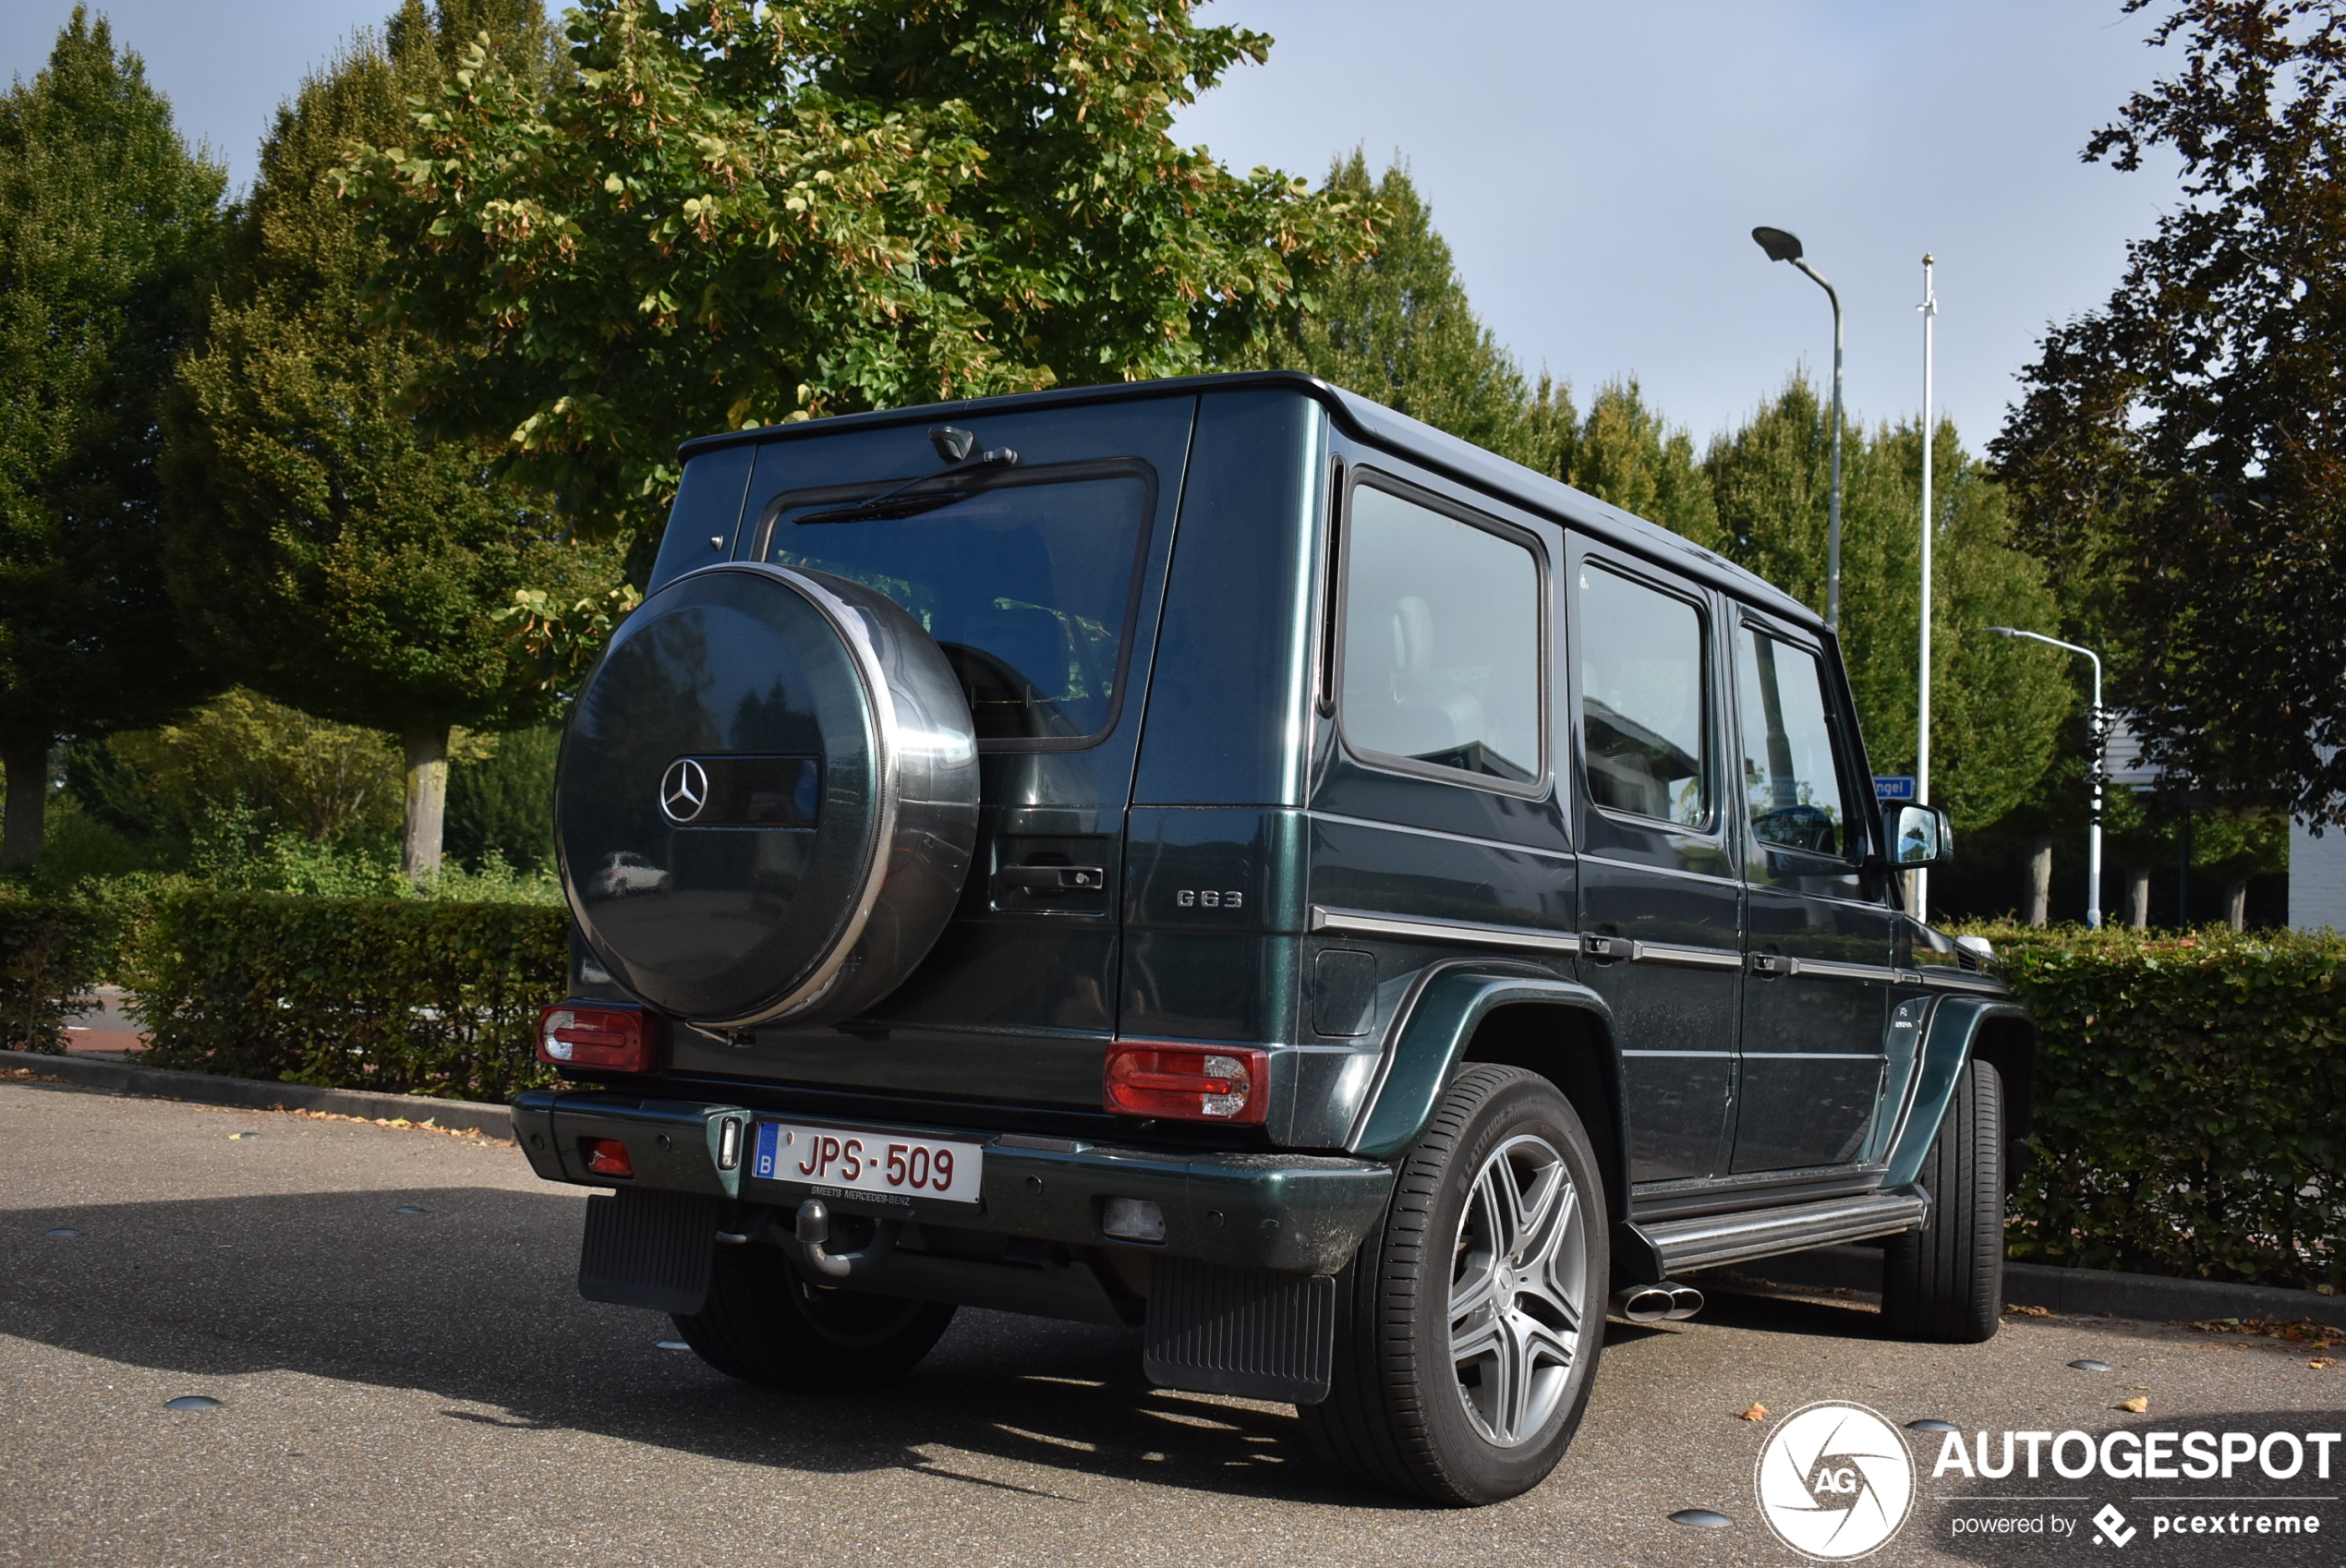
<point>1921,837</point>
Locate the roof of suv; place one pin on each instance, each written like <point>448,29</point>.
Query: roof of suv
<point>1377,425</point>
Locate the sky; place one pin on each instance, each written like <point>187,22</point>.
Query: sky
<point>1597,168</point>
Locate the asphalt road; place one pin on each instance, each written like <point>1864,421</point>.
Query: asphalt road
<point>427,1388</point>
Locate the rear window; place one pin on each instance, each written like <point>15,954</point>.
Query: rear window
<point>1029,582</point>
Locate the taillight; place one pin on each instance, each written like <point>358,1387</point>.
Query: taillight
<point>585,1034</point>
<point>607,1156</point>
<point>1199,1083</point>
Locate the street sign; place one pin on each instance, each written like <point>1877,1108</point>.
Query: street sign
<point>1893,785</point>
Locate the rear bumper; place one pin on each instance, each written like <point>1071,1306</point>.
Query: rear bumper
<point>1288,1214</point>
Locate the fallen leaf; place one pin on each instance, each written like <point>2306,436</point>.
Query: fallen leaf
<point>1757,1413</point>
<point>2321,1363</point>
<point>2137,1405</point>
<point>2017,1311</point>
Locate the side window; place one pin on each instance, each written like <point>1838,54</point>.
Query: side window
<point>1641,699</point>
<point>1441,654</point>
<point>1791,785</point>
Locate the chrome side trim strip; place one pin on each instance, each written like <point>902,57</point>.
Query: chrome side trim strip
<point>1956,979</point>
<point>1715,1240</point>
<point>1609,949</point>
<point>1364,922</point>
<point>1684,957</point>
<point>1776,966</point>
<point>1827,969</point>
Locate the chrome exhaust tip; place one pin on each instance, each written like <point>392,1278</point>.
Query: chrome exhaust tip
<point>1685,1302</point>
<point>1645,1303</point>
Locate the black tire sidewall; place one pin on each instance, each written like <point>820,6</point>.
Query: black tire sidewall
<point>766,1324</point>
<point>1943,1283</point>
<point>1472,1468</point>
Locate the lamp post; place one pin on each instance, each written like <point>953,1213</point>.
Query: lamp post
<point>2093,837</point>
<point>1783,246</point>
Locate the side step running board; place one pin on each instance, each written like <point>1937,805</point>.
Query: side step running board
<point>1715,1240</point>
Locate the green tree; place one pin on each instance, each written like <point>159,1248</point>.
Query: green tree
<point>2180,453</point>
<point>1627,454</point>
<point>1997,704</point>
<point>727,214</point>
<point>324,781</point>
<point>107,223</point>
<point>331,552</point>
<point>1395,326</point>
<point>501,805</point>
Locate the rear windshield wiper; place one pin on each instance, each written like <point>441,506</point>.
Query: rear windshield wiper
<point>924,494</point>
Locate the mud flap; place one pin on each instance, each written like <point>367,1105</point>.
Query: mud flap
<point>1243,1332</point>
<point>651,1249</point>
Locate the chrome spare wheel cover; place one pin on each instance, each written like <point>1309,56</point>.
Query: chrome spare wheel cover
<point>1519,1291</point>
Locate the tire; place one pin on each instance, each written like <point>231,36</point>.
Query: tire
<point>1943,1284</point>
<point>765,1325</point>
<point>1402,1415</point>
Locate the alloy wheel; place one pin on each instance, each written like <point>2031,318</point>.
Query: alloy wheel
<point>1519,1291</point>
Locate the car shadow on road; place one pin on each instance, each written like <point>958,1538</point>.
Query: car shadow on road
<point>474,1299</point>
<point>1758,1307</point>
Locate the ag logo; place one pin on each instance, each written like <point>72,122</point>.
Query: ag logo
<point>683,790</point>
<point>1835,1481</point>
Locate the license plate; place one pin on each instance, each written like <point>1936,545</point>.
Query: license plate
<point>884,1165</point>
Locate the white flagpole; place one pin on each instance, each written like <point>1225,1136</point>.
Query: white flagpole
<point>1930,308</point>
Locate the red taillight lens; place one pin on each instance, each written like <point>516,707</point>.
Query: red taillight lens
<point>1198,1083</point>
<point>583,1035</point>
<point>607,1156</point>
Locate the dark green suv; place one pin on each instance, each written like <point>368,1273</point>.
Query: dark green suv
<point>1221,857</point>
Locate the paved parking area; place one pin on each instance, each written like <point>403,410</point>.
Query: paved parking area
<point>427,1388</point>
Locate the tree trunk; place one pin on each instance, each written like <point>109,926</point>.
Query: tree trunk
<point>2138,897</point>
<point>2236,902</point>
<point>28,802</point>
<point>426,804</point>
<point>2040,880</point>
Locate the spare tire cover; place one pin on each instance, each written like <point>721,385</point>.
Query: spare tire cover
<point>767,797</point>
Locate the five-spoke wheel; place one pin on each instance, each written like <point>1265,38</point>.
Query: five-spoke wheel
<point>1468,1327</point>
<point>1518,1290</point>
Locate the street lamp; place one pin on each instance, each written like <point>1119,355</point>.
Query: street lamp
<point>1783,246</point>
<point>2093,838</point>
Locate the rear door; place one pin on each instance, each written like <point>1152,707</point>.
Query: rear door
<point>1661,907</point>
<point>1817,998</point>
<point>1043,584</point>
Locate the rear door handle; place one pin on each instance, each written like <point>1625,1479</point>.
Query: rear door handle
<point>1054,878</point>
<point>1772,965</point>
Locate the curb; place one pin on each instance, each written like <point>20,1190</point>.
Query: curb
<point>2083,1292</point>
<point>261,1094</point>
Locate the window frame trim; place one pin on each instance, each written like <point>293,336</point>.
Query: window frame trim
<point>1840,736</point>
<point>1713,827</point>
<point>1356,476</point>
<point>770,518</point>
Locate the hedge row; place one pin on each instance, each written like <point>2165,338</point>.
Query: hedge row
<point>51,952</point>
<point>2191,1090</point>
<point>416,997</point>
<point>2191,1103</point>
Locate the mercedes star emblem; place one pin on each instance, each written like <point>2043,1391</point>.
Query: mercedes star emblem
<point>683,790</point>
